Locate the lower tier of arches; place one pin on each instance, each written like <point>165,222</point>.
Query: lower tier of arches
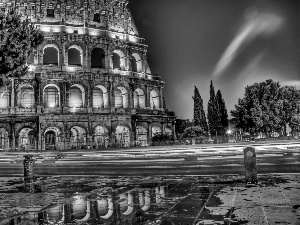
<point>61,132</point>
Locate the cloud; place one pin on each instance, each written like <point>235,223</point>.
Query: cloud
<point>262,25</point>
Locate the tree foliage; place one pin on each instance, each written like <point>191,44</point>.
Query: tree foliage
<point>18,38</point>
<point>194,131</point>
<point>222,112</point>
<point>213,112</point>
<point>162,137</point>
<point>199,114</point>
<point>268,107</point>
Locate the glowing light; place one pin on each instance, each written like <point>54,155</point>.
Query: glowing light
<point>258,25</point>
<point>31,68</point>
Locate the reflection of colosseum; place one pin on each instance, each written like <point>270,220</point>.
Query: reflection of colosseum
<point>89,81</point>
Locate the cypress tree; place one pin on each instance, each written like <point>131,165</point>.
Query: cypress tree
<point>199,114</point>
<point>222,111</point>
<point>18,38</point>
<point>213,112</point>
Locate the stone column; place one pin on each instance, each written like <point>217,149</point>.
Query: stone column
<point>147,100</point>
<point>161,102</point>
<point>149,132</point>
<point>250,165</point>
<point>12,96</point>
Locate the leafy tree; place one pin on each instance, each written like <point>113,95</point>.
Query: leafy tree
<point>213,112</point>
<point>199,114</point>
<point>267,107</point>
<point>162,137</point>
<point>223,112</point>
<point>194,131</point>
<point>181,125</point>
<point>18,38</point>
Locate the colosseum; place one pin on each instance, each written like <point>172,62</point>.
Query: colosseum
<point>89,84</point>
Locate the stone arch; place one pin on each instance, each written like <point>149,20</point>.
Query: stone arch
<point>121,97</point>
<point>139,98</point>
<point>100,97</point>
<point>77,52</point>
<point>76,97</point>
<point>78,136</point>
<point>130,204</point>
<point>4,98</point>
<point>102,206</point>
<point>27,138</point>
<point>51,138</point>
<point>55,213</point>
<point>97,58</point>
<point>51,97</point>
<point>4,140</point>
<point>26,96</point>
<point>46,56</point>
<point>122,133</point>
<point>110,210</point>
<point>168,130</point>
<point>118,60</point>
<point>141,135</point>
<point>154,99</point>
<point>147,201</point>
<point>101,134</point>
<point>79,206</point>
<point>155,130</point>
<point>136,63</point>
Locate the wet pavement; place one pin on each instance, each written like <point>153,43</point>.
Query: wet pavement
<point>150,200</point>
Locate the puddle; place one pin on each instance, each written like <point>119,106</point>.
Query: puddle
<point>109,200</point>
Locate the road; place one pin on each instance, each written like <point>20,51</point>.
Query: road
<point>175,160</point>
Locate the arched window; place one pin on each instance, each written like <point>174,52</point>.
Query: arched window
<point>116,61</point>
<point>27,98</point>
<point>97,58</point>
<point>121,98</point>
<point>78,137</point>
<point>74,57</point>
<point>51,97</point>
<point>76,97</point>
<point>133,64</point>
<point>122,136</point>
<point>168,131</point>
<point>4,98</point>
<point>100,134</point>
<point>50,56</point>
<point>4,142</point>
<point>154,100</point>
<point>136,63</point>
<point>50,140</point>
<point>98,101</point>
<point>156,131</point>
<point>139,99</point>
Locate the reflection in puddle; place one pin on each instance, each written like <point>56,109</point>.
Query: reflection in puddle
<point>105,200</point>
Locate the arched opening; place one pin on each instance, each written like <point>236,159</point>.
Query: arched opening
<point>27,97</point>
<point>141,136</point>
<point>154,100</point>
<point>97,58</point>
<point>51,97</point>
<point>116,61</point>
<point>156,131</point>
<point>100,97</point>
<point>121,98</point>
<point>76,97</point>
<point>50,56</point>
<point>100,136</point>
<point>168,131</point>
<point>55,213</point>
<point>30,59</point>
<point>74,57</point>
<point>133,64</point>
<point>122,136</point>
<point>4,98</point>
<point>102,206</point>
<point>4,141</point>
<point>138,99</point>
<point>79,206</point>
<point>50,140</point>
<point>78,137</point>
<point>27,139</point>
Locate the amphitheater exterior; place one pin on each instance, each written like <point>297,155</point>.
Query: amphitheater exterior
<point>89,84</point>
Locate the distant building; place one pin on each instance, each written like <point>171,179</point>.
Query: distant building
<point>89,83</point>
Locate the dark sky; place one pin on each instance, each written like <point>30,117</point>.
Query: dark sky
<point>232,42</point>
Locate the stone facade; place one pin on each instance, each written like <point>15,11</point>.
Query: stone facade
<point>89,84</point>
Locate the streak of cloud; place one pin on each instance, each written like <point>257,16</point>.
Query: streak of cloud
<point>260,25</point>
